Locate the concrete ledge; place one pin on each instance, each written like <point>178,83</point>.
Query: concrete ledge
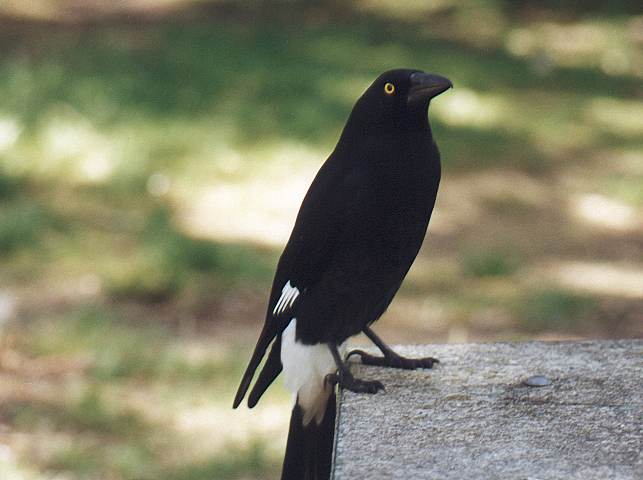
<point>473,417</point>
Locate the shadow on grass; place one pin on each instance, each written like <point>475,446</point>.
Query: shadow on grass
<point>91,113</point>
<point>87,414</point>
<point>129,239</point>
<point>95,430</point>
<point>117,349</point>
<point>556,310</point>
<point>107,443</point>
<point>166,260</point>
<point>263,82</point>
<point>251,461</point>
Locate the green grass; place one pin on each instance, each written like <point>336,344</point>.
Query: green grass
<point>181,99</point>
<point>165,260</point>
<point>23,224</point>
<point>112,361</point>
<point>130,462</point>
<point>556,310</point>
<point>625,188</point>
<point>10,185</point>
<point>87,414</point>
<point>234,464</point>
<point>489,264</point>
<point>132,316</point>
<point>271,83</point>
<point>121,351</point>
<point>106,440</point>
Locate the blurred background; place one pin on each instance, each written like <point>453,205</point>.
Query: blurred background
<point>153,155</point>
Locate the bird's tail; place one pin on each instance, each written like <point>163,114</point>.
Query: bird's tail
<point>309,448</point>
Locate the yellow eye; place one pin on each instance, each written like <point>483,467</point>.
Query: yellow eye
<point>389,88</point>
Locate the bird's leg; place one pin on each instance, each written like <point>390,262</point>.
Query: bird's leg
<point>345,378</point>
<point>390,358</point>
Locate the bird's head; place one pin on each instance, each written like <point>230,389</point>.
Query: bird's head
<point>400,96</point>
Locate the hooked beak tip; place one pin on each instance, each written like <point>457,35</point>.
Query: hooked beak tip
<point>425,86</point>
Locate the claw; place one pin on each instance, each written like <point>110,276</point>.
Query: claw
<point>363,386</point>
<point>361,353</point>
<point>348,382</point>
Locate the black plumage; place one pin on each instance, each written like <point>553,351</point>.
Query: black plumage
<point>358,231</point>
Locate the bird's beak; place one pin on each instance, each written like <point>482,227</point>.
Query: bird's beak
<point>425,86</point>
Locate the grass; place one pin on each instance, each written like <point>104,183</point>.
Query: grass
<point>251,461</point>
<point>489,264</point>
<point>150,170</point>
<point>624,188</point>
<point>87,414</point>
<point>21,226</point>
<point>117,350</point>
<point>10,185</point>
<point>556,310</point>
<point>166,260</point>
<point>91,425</point>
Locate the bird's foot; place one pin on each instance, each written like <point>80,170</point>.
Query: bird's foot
<point>348,382</point>
<point>393,360</point>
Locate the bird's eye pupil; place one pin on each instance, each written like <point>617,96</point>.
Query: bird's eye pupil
<point>389,88</point>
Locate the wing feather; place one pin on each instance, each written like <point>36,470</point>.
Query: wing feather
<point>323,217</point>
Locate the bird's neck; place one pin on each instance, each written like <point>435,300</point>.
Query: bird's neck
<point>396,153</point>
<point>362,126</point>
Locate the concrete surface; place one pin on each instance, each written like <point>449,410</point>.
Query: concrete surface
<point>475,417</point>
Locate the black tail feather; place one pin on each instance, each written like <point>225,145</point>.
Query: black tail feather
<point>271,369</point>
<point>309,449</point>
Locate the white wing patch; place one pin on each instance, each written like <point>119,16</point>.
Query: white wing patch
<point>288,296</point>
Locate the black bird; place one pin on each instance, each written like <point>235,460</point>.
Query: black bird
<point>358,231</point>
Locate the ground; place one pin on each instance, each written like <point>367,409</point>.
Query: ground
<point>152,159</point>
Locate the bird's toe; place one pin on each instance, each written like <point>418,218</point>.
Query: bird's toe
<point>426,362</point>
<point>361,386</point>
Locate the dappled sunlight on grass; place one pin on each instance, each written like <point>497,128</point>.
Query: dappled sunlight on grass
<point>606,213</point>
<point>409,10</point>
<point>9,132</point>
<point>464,107</point>
<point>92,396</point>
<point>213,428</point>
<point>260,210</point>
<point>622,118</point>
<point>608,44</point>
<point>153,156</point>
<point>598,278</point>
